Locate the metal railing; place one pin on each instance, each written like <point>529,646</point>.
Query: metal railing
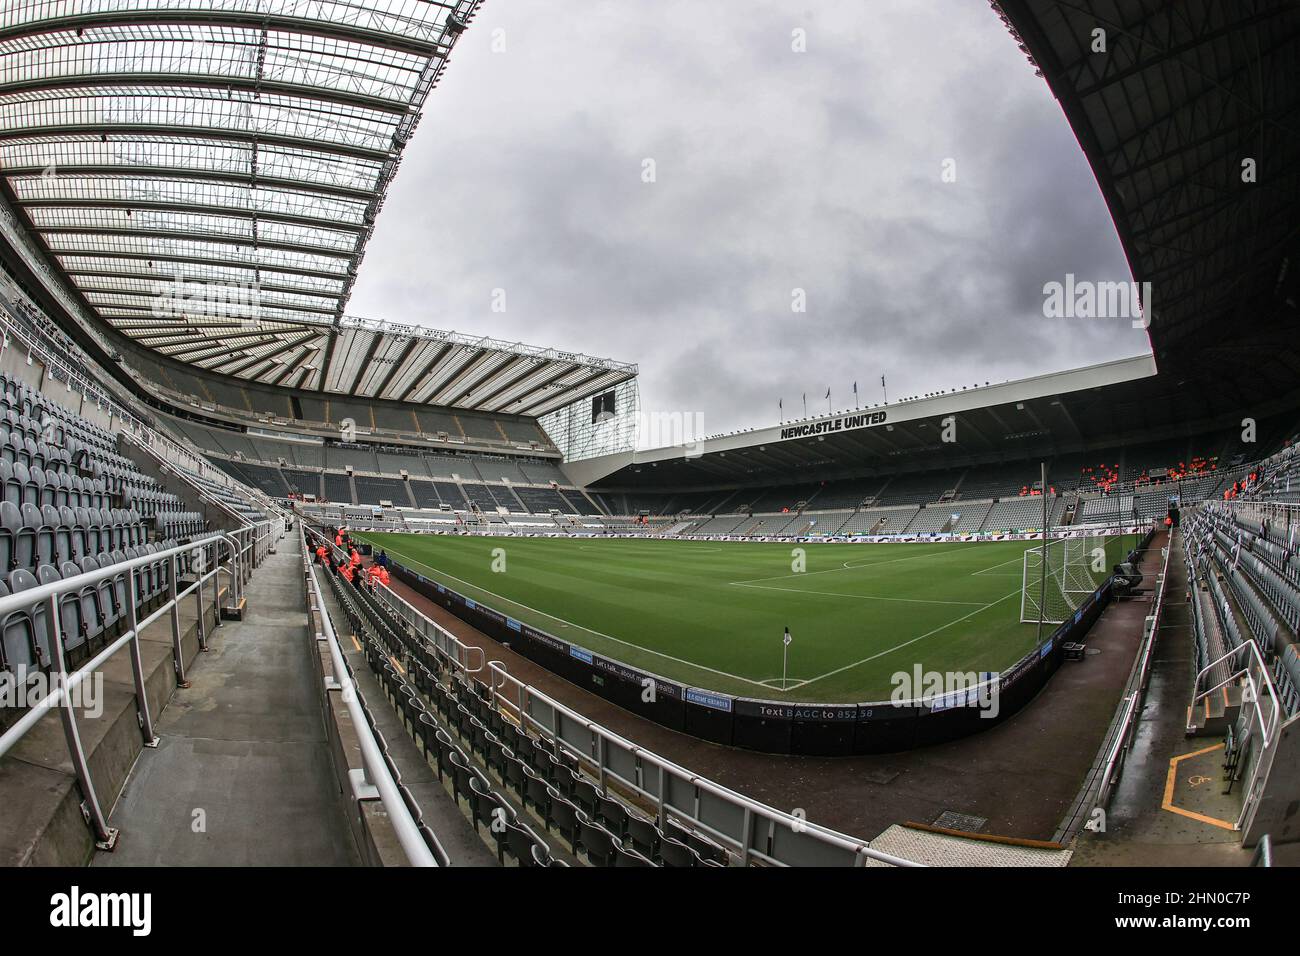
<point>1263,855</point>
<point>1258,682</point>
<point>376,773</point>
<point>46,598</point>
<point>732,819</point>
<point>754,831</point>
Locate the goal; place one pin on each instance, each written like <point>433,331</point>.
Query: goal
<point>1072,570</point>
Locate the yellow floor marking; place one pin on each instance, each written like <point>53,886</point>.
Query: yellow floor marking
<point>1168,803</point>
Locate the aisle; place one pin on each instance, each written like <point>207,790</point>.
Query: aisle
<point>241,775</point>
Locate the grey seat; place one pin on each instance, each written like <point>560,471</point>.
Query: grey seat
<point>596,842</point>
<point>33,624</point>
<point>11,525</point>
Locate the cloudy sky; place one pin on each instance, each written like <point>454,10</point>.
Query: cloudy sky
<point>774,170</point>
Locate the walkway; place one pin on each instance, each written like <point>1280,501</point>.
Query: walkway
<point>241,775</point>
<point>1165,768</point>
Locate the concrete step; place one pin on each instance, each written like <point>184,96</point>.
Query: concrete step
<point>1215,713</point>
<point>42,824</point>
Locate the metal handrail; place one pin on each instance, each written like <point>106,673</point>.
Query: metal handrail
<point>602,738</point>
<point>466,651</point>
<point>1266,727</point>
<point>376,768</point>
<point>60,696</point>
<point>1263,855</point>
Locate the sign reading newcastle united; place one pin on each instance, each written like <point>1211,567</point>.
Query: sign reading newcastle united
<point>829,426</point>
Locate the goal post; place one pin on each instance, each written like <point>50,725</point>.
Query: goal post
<point>1073,568</point>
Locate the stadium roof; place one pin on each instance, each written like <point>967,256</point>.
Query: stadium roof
<point>206,175</point>
<point>388,360</point>
<point>1190,118</point>
<point>1001,421</point>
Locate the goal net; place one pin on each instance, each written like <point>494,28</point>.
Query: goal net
<point>1072,570</point>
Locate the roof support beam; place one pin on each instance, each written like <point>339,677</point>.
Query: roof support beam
<point>233,212</point>
<point>147,294</point>
<point>123,170</point>
<point>252,85</point>
<point>411,345</point>
<point>130,132</point>
<point>250,19</point>
<point>201,260</point>
<point>240,364</point>
<point>210,237</point>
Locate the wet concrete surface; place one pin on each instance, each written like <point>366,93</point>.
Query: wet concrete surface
<point>1139,830</point>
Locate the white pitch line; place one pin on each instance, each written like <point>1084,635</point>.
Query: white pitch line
<point>608,637</point>
<point>856,597</point>
<point>794,683</point>
<point>1019,560</point>
<point>899,647</point>
<point>655,551</point>
<point>848,567</point>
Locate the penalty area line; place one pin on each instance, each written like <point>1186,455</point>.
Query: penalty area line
<point>899,647</point>
<point>856,597</point>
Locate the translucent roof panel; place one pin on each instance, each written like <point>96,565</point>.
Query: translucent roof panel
<point>207,174</point>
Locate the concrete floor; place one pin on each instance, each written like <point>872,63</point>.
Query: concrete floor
<point>241,776</point>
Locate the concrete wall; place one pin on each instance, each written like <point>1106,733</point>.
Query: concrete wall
<point>14,363</point>
<point>376,840</point>
<point>1278,811</point>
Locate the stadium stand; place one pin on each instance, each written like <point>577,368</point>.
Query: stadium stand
<point>880,520</point>
<point>400,427</point>
<point>919,489</point>
<point>336,487</point>
<point>374,491</point>
<point>1016,514</point>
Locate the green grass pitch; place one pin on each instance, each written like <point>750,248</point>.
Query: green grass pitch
<point>712,614</point>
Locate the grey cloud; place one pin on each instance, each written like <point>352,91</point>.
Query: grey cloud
<point>775,170</point>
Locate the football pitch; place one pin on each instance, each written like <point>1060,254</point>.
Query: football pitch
<point>712,614</point>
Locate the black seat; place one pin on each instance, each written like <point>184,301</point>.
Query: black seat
<point>596,842</point>
<point>562,816</point>
<point>628,857</point>
<point>642,834</point>
<point>612,815</point>
<point>675,853</point>
<point>521,843</point>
